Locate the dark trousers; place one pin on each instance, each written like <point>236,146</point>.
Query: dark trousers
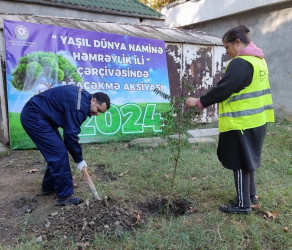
<point>245,186</point>
<point>58,174</point>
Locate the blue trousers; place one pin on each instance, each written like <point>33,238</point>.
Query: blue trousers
<point>58,174</point>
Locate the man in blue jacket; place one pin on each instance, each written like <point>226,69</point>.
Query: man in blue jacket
<point>65,107</point>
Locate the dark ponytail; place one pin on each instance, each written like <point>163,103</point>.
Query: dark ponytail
<point>240,32</point>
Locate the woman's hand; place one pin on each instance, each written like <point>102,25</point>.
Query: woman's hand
<point>192,102</point>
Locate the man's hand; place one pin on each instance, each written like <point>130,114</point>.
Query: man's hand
<point>81,165</point>
<point>192,102</point>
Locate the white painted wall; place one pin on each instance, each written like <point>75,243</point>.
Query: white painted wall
<point>197,11</point>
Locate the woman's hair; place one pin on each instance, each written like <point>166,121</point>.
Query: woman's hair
<point>101,98</point>
<point>240,32</point>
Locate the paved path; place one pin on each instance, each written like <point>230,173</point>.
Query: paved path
<point>3,147</point>
<point>204,132</point>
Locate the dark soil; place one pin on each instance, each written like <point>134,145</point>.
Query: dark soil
<point>166,207</point>
<point>83,221</point>
<point>104,176</point>
<point>25,212</point>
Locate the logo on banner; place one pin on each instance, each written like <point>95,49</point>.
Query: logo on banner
<point>21,32</point>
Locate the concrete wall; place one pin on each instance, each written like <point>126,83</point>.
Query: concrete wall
<point>271,29</point>
<point>186,12</point>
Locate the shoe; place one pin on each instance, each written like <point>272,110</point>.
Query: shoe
<point>46,192</point>
<point>64,201</point>
<point>234,209</point>
<point>253,200</point>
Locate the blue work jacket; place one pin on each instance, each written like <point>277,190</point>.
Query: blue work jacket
<point>65,107</point>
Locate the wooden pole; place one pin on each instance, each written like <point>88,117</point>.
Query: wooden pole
<point>91,185</point>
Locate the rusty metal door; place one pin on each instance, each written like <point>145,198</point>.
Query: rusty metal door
<point>200,66</point>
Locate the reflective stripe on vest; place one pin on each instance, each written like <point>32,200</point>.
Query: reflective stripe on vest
<point>249,95</point>
<point>253,105</point>
<point>247,112</point>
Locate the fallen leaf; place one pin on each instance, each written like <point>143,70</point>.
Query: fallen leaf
<point>256,206</point>
<point>286,229</point>
<point>272,215</point>
<point>138,218</point>
<point>122,174</point>
<point>271,133</point>
<point>193,178</point>
<point>275,160</point>
<point>193,210</point>
<point>166,176</point>
<point>75,185</point>
<point>31,171</point>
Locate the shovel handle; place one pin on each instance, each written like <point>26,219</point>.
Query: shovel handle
<point>90,183</point>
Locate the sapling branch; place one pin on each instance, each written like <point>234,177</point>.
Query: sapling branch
<point>177,121</point>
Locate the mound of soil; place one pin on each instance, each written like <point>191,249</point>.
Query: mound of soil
<point>108,216</point>
<point>83,221</point>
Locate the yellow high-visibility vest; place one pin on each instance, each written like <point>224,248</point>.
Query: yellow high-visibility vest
<point>251,107</point>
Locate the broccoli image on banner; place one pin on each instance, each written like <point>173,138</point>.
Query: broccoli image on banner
<point>44,68</point>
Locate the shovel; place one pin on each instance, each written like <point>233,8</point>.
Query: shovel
<point>90,183</point>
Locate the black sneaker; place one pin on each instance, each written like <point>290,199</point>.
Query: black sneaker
<point>253,200</point>
<point>68,201</point>
<point>46,192</point>
<point>233,209</point>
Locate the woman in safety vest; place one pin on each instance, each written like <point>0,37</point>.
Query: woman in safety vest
<point>245,106</point>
